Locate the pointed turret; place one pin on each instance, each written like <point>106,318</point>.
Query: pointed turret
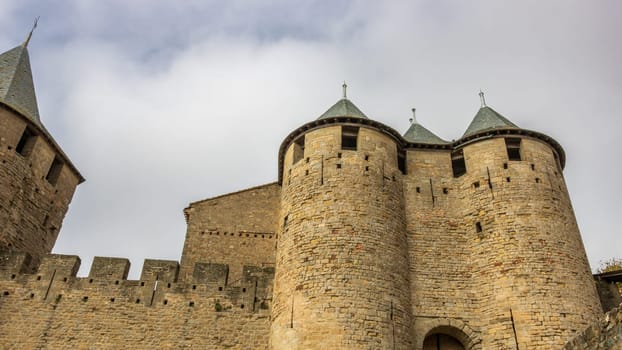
<point>487,118</point>
<point>343,108</point>
<point>16,87</point>
<point>417,133</point>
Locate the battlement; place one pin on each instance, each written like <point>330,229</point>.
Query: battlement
<point>55,280</point>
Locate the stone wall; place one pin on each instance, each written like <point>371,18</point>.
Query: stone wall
<point>236,229</point>
<point>31,208</point>
<point>440,270</point>
<point>534,285</point>
<point>342,251</point>
<point>604,334</point>
<point>54,309</point>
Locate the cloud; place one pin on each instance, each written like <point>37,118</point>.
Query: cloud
<point>160,104</point>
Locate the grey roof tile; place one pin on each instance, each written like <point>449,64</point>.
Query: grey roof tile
<point>417,133</point>
<point>343,108</point>
<point>487,118</point>
<point>16,87</point>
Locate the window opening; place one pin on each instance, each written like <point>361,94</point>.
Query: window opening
<point>513,147</point>
<point>457,163</point>
<point>54,171</point>
<point>349,135</point>
<point>26,143</point>
<point>478,227</point>
<point>299,148</point>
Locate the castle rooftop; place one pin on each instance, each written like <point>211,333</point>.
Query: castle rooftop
<point>343,108</point>
<point>417,133</point>
<point>16,87</point>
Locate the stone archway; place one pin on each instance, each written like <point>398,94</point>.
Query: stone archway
<point>440,341</point>
<point>445,334</point>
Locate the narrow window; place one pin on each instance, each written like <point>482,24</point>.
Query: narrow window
<point>418,189</point>
<point>457,163</point>
<point>401,162</point>
<point>54,171</point>
<point>349,135</point>
<point>445,190</point>
<point>299,148</point>
<point>478,227</point>
<point>476,184</point>
<point>513,147</point>
<point>26,143</point>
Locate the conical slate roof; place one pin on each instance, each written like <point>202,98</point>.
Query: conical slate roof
<point>343,108</point>
<point>487,118</point>
<point>16,87</point>
<point>417,133</point>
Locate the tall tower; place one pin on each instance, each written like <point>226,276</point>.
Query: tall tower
<point>341,254</point>
<point>37,179</point>
<point>530,275</point>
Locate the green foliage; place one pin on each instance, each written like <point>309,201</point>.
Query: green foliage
<point>612,264</point>
<point>218,307</point>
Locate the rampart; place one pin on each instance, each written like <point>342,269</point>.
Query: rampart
<point>53,309</point>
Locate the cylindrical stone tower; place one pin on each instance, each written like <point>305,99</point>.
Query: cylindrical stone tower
<point>341,270</point>
<point>529,266</point>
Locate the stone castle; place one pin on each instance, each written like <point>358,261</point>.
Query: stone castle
<point>369,239</point>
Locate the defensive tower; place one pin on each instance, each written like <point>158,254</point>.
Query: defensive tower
<point>37,179</point>
<point>530,274</point>
<point>341,254</point>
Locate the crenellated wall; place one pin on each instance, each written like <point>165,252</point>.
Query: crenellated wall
<point>54,309</point>
<point>32,208</point>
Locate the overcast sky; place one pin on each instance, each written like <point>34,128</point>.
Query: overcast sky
<point>162,103</point>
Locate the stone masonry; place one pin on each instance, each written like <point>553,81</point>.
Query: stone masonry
<point>369,239</point>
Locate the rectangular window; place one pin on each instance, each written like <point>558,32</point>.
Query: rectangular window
<point>513,147</point>
<point>299,148</point>
<point>349,135</point>
<point>54,171</point>
<point>457,163</point>
<point>26,143</point>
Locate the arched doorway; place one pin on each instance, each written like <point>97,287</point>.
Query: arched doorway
<point>439,341</point>
<point>458,336</point>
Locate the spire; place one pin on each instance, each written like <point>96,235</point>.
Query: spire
<point>343,107</point>
<point>17,89</point>
<point>481,98</point>
<point>25,43</point>
<point>417,133</point>
<point>487,118</point>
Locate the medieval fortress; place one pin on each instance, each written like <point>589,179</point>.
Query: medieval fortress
<point>369,239</point>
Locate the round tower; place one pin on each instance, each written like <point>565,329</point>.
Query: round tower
<point>528,263</point>
<point>341,270</point>
<point>37,180</point>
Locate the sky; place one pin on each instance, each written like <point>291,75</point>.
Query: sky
<point>162,103</point>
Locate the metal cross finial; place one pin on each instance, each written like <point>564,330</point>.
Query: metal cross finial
<point>30,33</point>
<point>481,98</point>
<point>413,120</point>
<point>345,87</point>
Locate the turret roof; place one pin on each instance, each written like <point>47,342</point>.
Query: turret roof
<point>487,118</point>
<point>417,133</point>
<point>16,87</point>
<point>343,108</point>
